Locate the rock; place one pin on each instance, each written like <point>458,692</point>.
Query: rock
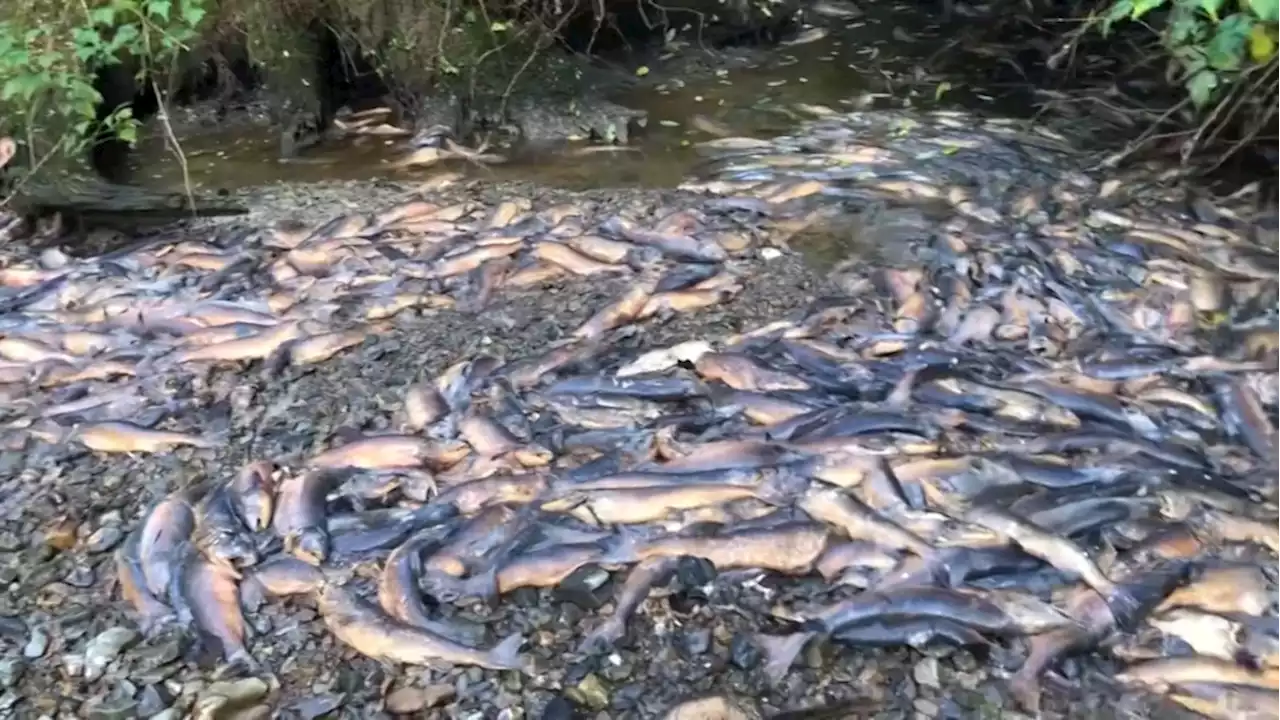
<point>105,648</point>
<point>587,587</point>
<point>224,698</point>
<point>591,693</point>
<point>743,653</point>
<point>36,645</point>
<point>11,670</point>
<point>405,701</point>
<point>170,714</point>
<point>115,709</point>
<point>925,673</point>
<point>62,534</point>
<point>558,709</point>
<point>697,642</point>
<point>104,538</point>
<point>437,694</point>
<point>317,705</point>
<point>713,708</point>
<point>154,699</point>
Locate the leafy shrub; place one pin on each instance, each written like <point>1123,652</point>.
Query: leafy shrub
<point>49,50</point>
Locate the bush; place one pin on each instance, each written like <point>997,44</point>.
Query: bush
<point>50,50</point>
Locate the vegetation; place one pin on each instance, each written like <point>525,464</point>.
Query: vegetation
<point>50,49</point>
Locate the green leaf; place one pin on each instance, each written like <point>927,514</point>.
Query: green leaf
<point>1142,7</point>
<point>1227,48</point>
<point>105,15</point>
<point>1118,11</point>
<point>192,13</point>
<point>1211,7</point>
<point>160,8</point>
<point>1201,86</point>
<point>1266,10</point>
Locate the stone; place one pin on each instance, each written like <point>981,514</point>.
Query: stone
<point>104,538</point>
<point>590,692</point>
<point>925,673</point>
<point>36,645</point>
<point>713,708</point>
<point>405,701</point>
<point>104,649</point>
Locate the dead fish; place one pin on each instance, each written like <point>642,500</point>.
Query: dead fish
<point>398,593</point>
<point>220,532</point>
<point>1058,551</point>
<point>210,590</point>
<point>617,313</point>
<point>152,614</point>
<point>164,531</point>
<point>575,262</point>
<point>742,373</point>
<point>253,492</point>
<point>791,548</point>
<point>835,506</point>
<point>1216,636</point>
<point>1225,591</point>
<point>917,633</point>
<point>318,348</point>
<point>300,517</point>
<point>1165,673</point>
<point>486,436</point>
<point>423,406</point>
<point>366,629</point>
<point>679,246</point>
<point>118,436</point>
<point>1226,702</point>
<point>640,581</point>
<point>470,497</point>
<point>649,388</point>
<point>384,452</point>
<point>281,576</point>
<point>488,529</point>
<point>663,359</point>
<point>259,346</point>
<point>1244,417</point>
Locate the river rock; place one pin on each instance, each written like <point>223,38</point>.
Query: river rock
<point>713,708</point>
<point>105,648</point>
<point>36,645</point>
<point>590,692</point>
<point>104,538</point>
<point>405,700</point>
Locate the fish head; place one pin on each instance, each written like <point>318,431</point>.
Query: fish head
<point>310,545</point>
<point>231,551</point>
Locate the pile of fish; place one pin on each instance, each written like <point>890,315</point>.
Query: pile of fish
<point>174,304</point>
<point>1049,418</point>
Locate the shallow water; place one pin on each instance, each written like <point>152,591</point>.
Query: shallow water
<point>875,59</point>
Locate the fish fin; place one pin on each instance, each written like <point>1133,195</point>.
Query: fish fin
<point>506,654</point>
<point>781,652</point>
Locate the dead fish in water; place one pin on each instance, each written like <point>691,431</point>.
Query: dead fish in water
<point>366,629</point>
<point>118,436</point>
<point>300,517</point>
<point>709,126</point>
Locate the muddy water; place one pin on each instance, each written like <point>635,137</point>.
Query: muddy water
<point>879,57</point>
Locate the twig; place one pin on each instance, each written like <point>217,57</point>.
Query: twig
<point>171,141</point>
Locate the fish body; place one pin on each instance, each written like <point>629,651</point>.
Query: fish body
<point>300,518</point>
<point>365,628</point>
<point>166,528</point>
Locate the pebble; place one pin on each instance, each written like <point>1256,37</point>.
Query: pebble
<point>713,708</point>
<point>926,673</point>
<point>927,708</point>
<point>11,670</point>
<point>37,645</point>
<point>105,648</point>
<point>405,700</point>
<point>591,693</point>
<point>116,709</point>
<point>104,539</point>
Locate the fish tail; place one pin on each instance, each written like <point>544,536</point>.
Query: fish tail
<point>506,654</point>
<point>780,652</point>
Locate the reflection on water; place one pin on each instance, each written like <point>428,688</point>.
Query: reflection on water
<point>868,58</point>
